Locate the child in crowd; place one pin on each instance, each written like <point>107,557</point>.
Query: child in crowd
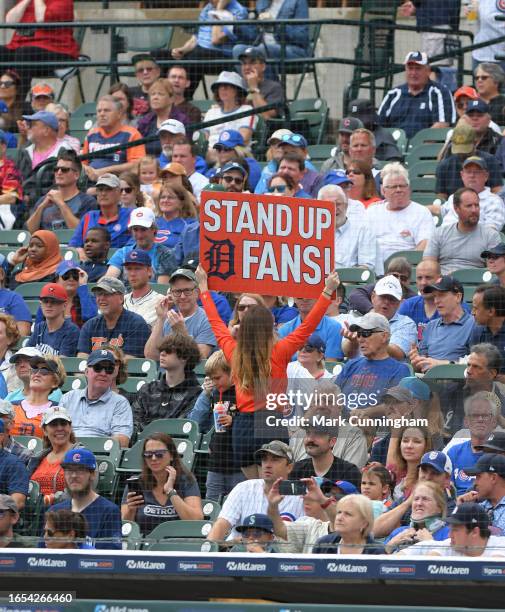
<point>149,175</point>
<point>377,484</point>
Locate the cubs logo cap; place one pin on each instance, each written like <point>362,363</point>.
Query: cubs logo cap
<point>439,461</point>
<point>79,457</point>
<point>142,217</point>
<point>138,257</point>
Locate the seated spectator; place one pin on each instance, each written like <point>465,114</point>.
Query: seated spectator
<point>363,187</point>
<point>38,261</point>
<point>174,210</point>
<point>461,244</point>
<point>121,93</point>
<point>96,410</point>
<point>169,491</point>
<point>110,215</point>
<point>222,471</point>
<point>132,195</point>
<point>185,154</point>
<point>13,97</point>
<point>142,300</point>
<point>13,474</point>
<point>296,144</point>
<point>9,337</point>
<point>115,324</point>
<point>495,261</point>
<point>94,253</point>
<point>81,305</point>
<point>447,338</point>
<point>355,244</point>
<point>9,517</point>
<point>173,395</point>
<point>489,488</point>
<point>45,469</point>
<point>147,70</point>
<point>10,445</point>
<point>489,80</point>
<point>293,165</point>
<point>178,78</point>
<point>143,228</point>
<point>149,176</point>
<point>377,484</point>
<point>282,185</point>
<point>251,495</point>
<point>427,518</point>
<point>11,190</point>
<point>163,108</point>
<point>279,308</point>
<point>21,361</point>
<point>41,96</point>
<point>55,335</point>
<point>231,147</point>
<point>340,178</point>
<point>419,103</point>
<point>230,92</point>
<point>362,147</point>
<point>64,206</point>
<point>169,132</point>
<point>233,177</point>
<point>479,117</point>
<point>47,374</point>
<point>488,308</point>
<point>340,154</point>
<point>65,529</point>
<point>102,516</point>
<point>11,303</point>
<point>399,223</point>
<point>261,91</point>
<point>448,171</point>
<point>375,371</point>
<point>189,318</point>
<point>273,156</point>
<point>63,116</point>
<point>352,533</point>
<point>406,448</point>
<point>257,535</point>
<point>426,406</point>
<point>109,132</point>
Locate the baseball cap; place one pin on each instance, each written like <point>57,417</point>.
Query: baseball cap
<point>336,177</point>
<point>214,187</point>
<point>37,362</point>
<point>364,110</point>
<point>372,320</point>
<point>345,486</point>
<point>494,464</point>
<point>183,273</point>
<point>109,284</point>
<point>278,135</point>
<point>6,408</point>
<point>499,249</point>
<point>228,139</point>
<point>296,140</point>
<point>7,503</point>
<point>469,514</point>
<point>317,342</point>
<point>54,291</point>
<point>79,457</point>
<point>42,89</point>
<point>475,159</point>
<point>495,442</point>
<point>446,283</point>
<point>477,106</point>
<point>66,265</point>
<point>55,413</point>
<point>25,351</point>
<point>138,257</point>
<point>256,521</point>
<point>349,124</point>
<point>463,138</point>
<point>46,117</point>
<point>252,53</point>
<point>143,57</point>
<point>142,217</point>
<point>229,78</point>
<point>416,57</point>
<point>173,126</point>
<point>100,355</point>
<point>233,166</point>
<point>417,387</point>
<point>389,285</point>
<point>438,460</point>
<point>277,448</point>
<point>467,91</point>
<point>399,394</point>
<point>109,180</point>
<point>174,168</point>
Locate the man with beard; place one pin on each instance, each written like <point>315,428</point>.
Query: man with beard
<point>102,516</point>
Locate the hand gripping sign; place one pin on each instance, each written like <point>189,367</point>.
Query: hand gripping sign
<point>266,244</point>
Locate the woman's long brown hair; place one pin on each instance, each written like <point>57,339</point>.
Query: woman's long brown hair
<point>147,477</point>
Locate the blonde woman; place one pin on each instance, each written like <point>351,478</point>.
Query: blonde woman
<point>174,209</point>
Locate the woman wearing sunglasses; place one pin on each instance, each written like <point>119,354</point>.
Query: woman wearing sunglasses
<point>131,194</point>
<point>65,529</point>
<point>167,490</point>
<point>282,185</point>
<point>12,96</point>
<point>243,303</point>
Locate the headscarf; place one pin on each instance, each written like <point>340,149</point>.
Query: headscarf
<point>36,271</point>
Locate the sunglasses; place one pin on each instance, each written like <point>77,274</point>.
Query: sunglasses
<point>243,307</point>
<point>308,349</point>
<point>107,367</point>
<point>50,301</point>
<point>482,77</point>
<point>126,189</point>
<point>71,275</point>
<point>353,171</point>
<point>158,454</point>
<point>366,333</point>
<point>279,188</point>
<point>6,84</point>
<point>233,179</point>
<point>3,513</point>
<point>59,423</point>
<point>103,188</point>
<point>62,169</point>
<point>41,371</point>
<point>50,532</point>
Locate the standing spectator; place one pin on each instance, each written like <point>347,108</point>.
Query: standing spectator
<point>142,300</point>
<point>261,91</point>
<point>178,78</point>
<point>340,154</point>
<point>146,71</point>
<point>39,260</point>
<point>94,254</point>
<point>489,80</point>
<point>11,190</point>
<point>488,308</point>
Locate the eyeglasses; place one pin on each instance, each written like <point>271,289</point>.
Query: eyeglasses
<point>279,188</point>
<point>308,349</point>
<point>3,513</point>
<point>158,454</point>
<point>62,169</point>
<point>108,368</point>
<point>400,277</point>
<point>242,307</point>
<point>396,187</point>
<point>144,69</point>
<point>71,275</point>
<point>233,179</point>
<point>482,77</point>
<point>366,333</point>
<point>353,171</point>
<point>41,371</point>
<point>480,417</point>
<point>126,189</point>
<point>50,532</point>
<point>6,84</point>
<point>179,292</point>
<point>50,301</point>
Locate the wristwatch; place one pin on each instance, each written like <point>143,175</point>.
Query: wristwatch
<point>171,494</point>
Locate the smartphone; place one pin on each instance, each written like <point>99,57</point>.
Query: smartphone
<point>292,487</point>
<point>134,485</point>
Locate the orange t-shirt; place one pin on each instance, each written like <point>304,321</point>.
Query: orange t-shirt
<point>50,477</point>
<point>25,425</point>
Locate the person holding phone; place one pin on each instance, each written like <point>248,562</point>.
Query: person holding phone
<point>166,490</point>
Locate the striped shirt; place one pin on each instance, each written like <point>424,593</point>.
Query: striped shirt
<point>97,140</point>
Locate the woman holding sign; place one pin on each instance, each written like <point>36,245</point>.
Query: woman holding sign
<point>259,361</point>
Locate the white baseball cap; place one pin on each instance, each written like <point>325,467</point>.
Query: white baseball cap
<point>389,285</point>
<point>279,134</point>
<point>173,126</point>
<point>142,216</point>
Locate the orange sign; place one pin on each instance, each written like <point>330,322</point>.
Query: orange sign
<point>266,244</point>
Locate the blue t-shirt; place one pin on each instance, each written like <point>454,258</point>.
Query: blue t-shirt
<point>3,387</point>
<point>198,327</point>
<point>117,228</point>
<point>13,304</point>
<point>283,314</point>
<point>414,308</point>
<point>18,396</point>
<point>169,232</point>
<point>162,259</point>
<point>328,329</point>
<point>13,474</point>
<point>462,457</point>
<point>447,341</point>
<point>63,341</point>
<point>222,306</point>
<point>104,521</point>
<point>130,334</point>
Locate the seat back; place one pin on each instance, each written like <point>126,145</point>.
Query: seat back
<point>355,275</point>
<point>180,529</point>
<point>424,152</point>
<point>146,39</point>
<point>183,429</point>
<point>428,136</point>
<point>130,535</point>
<point>14,238</point>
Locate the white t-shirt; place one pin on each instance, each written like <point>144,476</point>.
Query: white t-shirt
<point>249,497</point>
<point>144,306</point>
<point>399,230</point>
<point>489,28</point>
<point>492,210</point>
<point>216,112</point>
<point>303,534</point>
<point>198,182</point>
<point>495,547</point>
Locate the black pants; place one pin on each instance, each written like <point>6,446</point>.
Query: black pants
<point>197,71</point>
<point>31,54</point>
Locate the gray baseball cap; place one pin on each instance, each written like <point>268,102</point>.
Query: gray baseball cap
<point>6,408</point>
<point>109,284</point>
<point>7,503</point>
<point>109,180</point>
<point>372,320</point>
<point>400,394</point>
<point>277,448</point>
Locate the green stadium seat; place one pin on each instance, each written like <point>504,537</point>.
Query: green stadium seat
<point>423,153</point>
<point>30,517</point>
<point>29,442</point>
<point>200,370</point>
<point>428,136</point>
<point>474,276</point>
<point>103,447</point>
<point>334,368</point>
<point>183,429</point>
<point>143,368</point>
<point>69,253</point>
<point>107,478</point>
<point>179,529</point>
<point>176,545</point>
<point>64,235</point>
<point>14,238</point>
<point>199,138</point>
<point>160,287</point>
<point>422,197</point>
<point>453,371</point>
<point>73,365</point>
<point>413,257</point>
<point>73,382</point>
<point>321,152</point>
<point>356,275</point>
<point>30,291</point>
<point>131,536</point>
<point>203,105</point>
<point>316,112</point>
<point>33,305</point>
<point>310,68</point>
<point>133,384</point>
<point>211,509</point>
<point>82,120</point>
<point>400,138</point>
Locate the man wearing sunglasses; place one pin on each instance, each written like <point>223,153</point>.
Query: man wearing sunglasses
<point>65,204</point>
<point>96,410</point>
<point>233,177</point>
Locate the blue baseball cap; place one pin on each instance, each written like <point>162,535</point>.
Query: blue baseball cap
<point>345,486</point>
<point>297,140</point>
<point>438,460</point>
<point>233,166</point>
<point>67,265</point>
<point>229,139</point>
<point>256,521</point>
<point>317,342</point>
<point>136,256</point>
<point>79,457</point>
<point>477,106</point>
<point>99,356</point>
<point>417,387</point>
<point>469,514</point>
<point>46,117</point>
<point>336,177</point>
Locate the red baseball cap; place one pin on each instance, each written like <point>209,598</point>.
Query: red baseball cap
<point>467,91</point>
<point>55,291</point>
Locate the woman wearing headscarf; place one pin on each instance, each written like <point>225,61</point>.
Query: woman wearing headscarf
<point>38,261</point>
